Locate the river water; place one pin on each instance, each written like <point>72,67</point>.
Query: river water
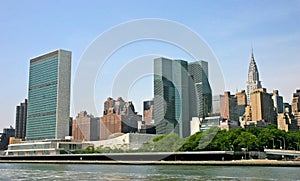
<point>11,171</point>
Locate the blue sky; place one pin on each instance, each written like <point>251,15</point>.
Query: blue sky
<point>31,28</point>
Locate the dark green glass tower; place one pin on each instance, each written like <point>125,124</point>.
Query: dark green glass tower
<point>49,96</point>
<point>181,91</point>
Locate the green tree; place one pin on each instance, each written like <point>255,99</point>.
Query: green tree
<point>246,140</point>
<point>191,142</point>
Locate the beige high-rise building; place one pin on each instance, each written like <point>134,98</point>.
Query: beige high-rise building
<point>248,113</point>
<point>262,107</point>
<point>286,121</point>
<point>241,98</point>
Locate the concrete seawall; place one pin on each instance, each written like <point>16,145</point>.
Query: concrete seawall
<point>205,158</point>
<point>273,163</point>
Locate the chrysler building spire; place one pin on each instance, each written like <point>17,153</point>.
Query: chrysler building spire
<point>253,78</point>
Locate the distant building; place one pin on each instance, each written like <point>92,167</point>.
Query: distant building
<point>110,123</point>
<point>4,137</point>
<point>296,102</point>
<point>262,107</point>
<point>296,106</point>
<point>128,141</point>
<point>286,121</point>
<point>118,117</point>
<point>241,98</point>
<point>21,120</point>
<point>148,112</point>
<point>208,122</point>
<point>278,102</point>
<point>49,96</point>
<point>217,121</point>
<point>248,114</point>
<point>147,126</point>
<point>216,104</point>
<point>287,106</point>
<point>226,124</point>
<point>253,78</point>
<point>229,107</point>
<point>86,127</point>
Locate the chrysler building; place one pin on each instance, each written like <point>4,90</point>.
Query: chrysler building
<point>253,78</point>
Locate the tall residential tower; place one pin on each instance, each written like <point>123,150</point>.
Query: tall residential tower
<point>49,96</point>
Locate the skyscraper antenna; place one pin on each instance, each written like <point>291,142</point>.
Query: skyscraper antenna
<point>252,49</point>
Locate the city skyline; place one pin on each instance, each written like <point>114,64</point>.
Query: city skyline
<point>272,28</point>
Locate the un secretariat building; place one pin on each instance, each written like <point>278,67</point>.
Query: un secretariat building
<point>49,96</point>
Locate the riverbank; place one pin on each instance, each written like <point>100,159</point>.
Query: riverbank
<point>276,163</point>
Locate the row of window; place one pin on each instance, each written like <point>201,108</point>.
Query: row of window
<point>43,72</point>
<point>41,127</point>
<point>31,146</point>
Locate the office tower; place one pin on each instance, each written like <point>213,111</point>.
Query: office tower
<point>49,96</point>
<point>118,117</point>
<point>241,102</point>
<point>286,121</point>
<point>296,106</point>
<point>148,112</point>
<point>262,106</point>
<point>229,107</point>
<point>216,104</point>
<point>5,136</point>
<point>200,88</point>
<point>171,97</point>
<point>253,78</point>
<point>21,119</point>
<point>296,102</point>
<point>278,102</point>
<point>86,127</point>
<point>241,98</point>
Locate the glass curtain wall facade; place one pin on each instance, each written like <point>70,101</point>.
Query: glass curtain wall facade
<point>200,90</point>
<point>49,96</point>
<point>181,91</point>
<point>171,97</point>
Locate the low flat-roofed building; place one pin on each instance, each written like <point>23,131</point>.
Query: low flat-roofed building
<point>45,147</point>
<point>128,141</point>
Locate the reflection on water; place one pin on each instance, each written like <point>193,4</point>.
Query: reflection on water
<point>142,172</point>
